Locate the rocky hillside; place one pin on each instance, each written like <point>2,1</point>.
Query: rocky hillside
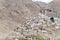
<point>37,26</point>
<point>15,13</point>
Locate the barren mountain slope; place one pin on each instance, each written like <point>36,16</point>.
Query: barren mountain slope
<point>14,13</point>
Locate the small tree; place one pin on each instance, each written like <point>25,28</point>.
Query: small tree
<point>52,19</point>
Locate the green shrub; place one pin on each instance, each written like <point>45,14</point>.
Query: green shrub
<point>40,38</point>
<point>37,38</point>
<point>22,39</point>
<point>58,39</point>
